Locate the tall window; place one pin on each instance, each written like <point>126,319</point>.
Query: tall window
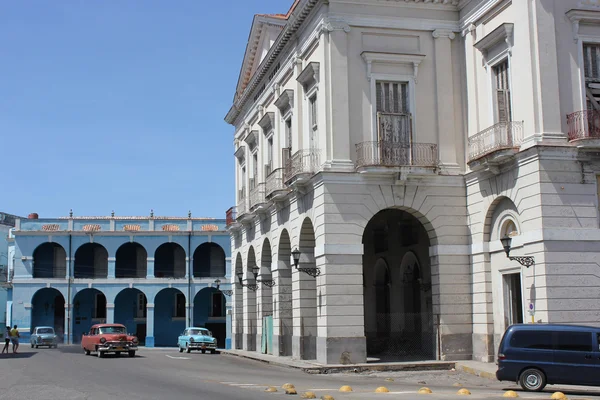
<point>393,112</point>
<point>269,156</point>
<point>179,311</point>
<point>502,93</point>
<point>100,306</point>
<point>591,64</point>
<point>312,109</point>
<point>254,171</point>
<point>218,305</point>
<point>243,185</point>
<point>288,133</point>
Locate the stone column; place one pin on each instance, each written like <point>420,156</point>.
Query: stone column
<point>68,333</point>
<point>483,312</point>
<point>111,267</point>
<point>341,318</point>
<point>445,100</point>
<point>238,316</point>
<point>249,318</point>
<point>110,313</point>
<point>282,312</point>
<point>304,308</point>
<point>150,325</point>
<point>68,268</point>
<point>150,268</point>
<point>264,308</point>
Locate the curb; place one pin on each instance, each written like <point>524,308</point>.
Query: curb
<point>356,368</point>
<point>476,371</point>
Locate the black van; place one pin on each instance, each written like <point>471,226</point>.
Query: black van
<point>538,354</point>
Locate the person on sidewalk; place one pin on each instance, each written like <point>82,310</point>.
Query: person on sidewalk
<point>6,339</point>
<point>14,338</point>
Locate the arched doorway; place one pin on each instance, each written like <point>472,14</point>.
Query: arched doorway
<point>250,310</point>
<point>397,288</point>
<point>282,293</point>
<point>265,300</point>
<point>169,261</point>
<point>209,312</point>
<point>131,261</point>
<point>89,308</point>
<point>91,261</point>
<point>49,261</point>
<point>48,309</point>
<point>239,305</point>
<point>305,287</point>
<point>130,310</point>
<point>169,317</point>
<point>209,261</point>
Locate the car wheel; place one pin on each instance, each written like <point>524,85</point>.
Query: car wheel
<point>532,380</point>
<point>187,348</point>
<point>118,353</point>
<point>100,354</point>
<point>131,353</point>
<point>213,352</point>
<point>203,351</point>
<point>32,345</point>
<point>37,347</point>
<point>180,349</point>
<point>87,352</point>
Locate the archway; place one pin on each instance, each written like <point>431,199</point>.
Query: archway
<point>209,261</point>
<point>265,300</point>
<point>49,261</point>
<point>239,305</point>
<point>48,309</point>
<point>397,288</point>
<point>89,308</point>
<point>169,261</point>
<point>169,317</point>
<point>130,310</point>
<point>250,311</point>
<point>209,312</point>
<point>91,261</point>
<point>305,287</point>
<point>131,261</point>
<point>282,297</point>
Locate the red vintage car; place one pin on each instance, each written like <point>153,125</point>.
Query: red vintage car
<point>109,338</point>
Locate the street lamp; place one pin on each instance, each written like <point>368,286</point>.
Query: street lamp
<point>251,286</point>
<point>312,271</point>
<point>526,261</point>
<point>227,292</point>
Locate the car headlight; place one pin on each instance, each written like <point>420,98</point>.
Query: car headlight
<point>135,340</point>
<point>102,340</point>
<point>214,340</point>
<point>192,340</point>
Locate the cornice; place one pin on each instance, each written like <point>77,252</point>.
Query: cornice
<point>240,153</point>
<point>309,76</point>
<point>266,122</point>
<point>577,16</point>
<point>371,57</point>
<point>285,101</point>
<point>503,33</point>
<point>436,4</point>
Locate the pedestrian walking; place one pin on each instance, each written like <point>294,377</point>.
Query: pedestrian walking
<point>6,340</point>
<point>14,338</point>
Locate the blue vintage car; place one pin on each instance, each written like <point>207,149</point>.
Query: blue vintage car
<point>197,339</point>
<point>43,336</point>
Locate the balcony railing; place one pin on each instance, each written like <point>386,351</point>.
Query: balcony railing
<point>257,195</point>
<point>275,182</point>
<point>385,153</point>
<point>242,207</point>
<point>584,125</point>
<point>502,136</point>
<point>302,162</point>
<point>230,216</point>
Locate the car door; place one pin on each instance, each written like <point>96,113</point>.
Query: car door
<point>574,357</point>
<point>183,339</point>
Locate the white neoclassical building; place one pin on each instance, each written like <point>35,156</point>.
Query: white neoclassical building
<point>383,148</point>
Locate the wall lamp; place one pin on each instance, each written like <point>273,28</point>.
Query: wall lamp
<point>526,261</point>
<point>227,292</point>
<point>252,286</point>
<point>312,271</point>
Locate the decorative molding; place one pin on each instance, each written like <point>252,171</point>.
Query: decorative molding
<point>92,228</point>
<point>132,228</point>
<point>170,228</point>
<point>469,29</point>
<point>443,33</point>
<point>583,16</point>
<point>252,139</point>
<point>503,33</point>
<point>267,122</point>
<point>285,102</point>
<point>50,227</point>
<point>334,24</point>
<point>309,77</point>
<point>209,228</point>
<point>375,57</point>
<point>240,154</point>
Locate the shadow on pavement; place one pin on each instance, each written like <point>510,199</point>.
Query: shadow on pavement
<point>18,355</point>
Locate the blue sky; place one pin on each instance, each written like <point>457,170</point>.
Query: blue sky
<point>119,104</point>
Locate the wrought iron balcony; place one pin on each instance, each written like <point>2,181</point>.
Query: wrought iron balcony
<point>584,125</point>
<point>230,216</point>
<point>257,197</point>
<point>302,166</point>
<point>384,153</point>
<point>502,136</point>
<point>242,206</point>
<point>275,187</point>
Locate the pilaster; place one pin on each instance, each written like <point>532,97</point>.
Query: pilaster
<point>150,268</point>
<point>149,325</point>
<point>282,312</point>
<point>249,339</point>
<point>111,267</point>
<point>110,313</point>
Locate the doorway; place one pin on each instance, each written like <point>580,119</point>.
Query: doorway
<point>513,299</point>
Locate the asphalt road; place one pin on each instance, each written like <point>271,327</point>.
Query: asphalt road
<point>66,373</point>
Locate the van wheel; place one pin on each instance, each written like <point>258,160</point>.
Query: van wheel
<point>532,380</point>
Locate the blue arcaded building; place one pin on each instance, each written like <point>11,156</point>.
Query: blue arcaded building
<point>156,275</point>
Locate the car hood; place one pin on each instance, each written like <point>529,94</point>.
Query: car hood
<point>116,337</point>
<point>202,338</point>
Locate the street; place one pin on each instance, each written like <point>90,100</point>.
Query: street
<point>66,373</point>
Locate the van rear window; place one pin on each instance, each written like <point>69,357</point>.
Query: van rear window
<point>532,340</point>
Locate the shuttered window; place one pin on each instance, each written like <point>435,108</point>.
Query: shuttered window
<point>392,97</point>
<point>502,90</point>
<point>591,61</point>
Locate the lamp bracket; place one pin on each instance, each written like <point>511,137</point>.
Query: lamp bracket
<point>526,261</point>
<point>314,272</point>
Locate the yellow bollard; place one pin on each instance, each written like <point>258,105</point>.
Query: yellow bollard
<point>463,392</point>
<point>558,396</point>
<point>345,388</point>
<point>290,391</point>
<point>382,389</point>
<point>309,395</point>
<point>327,397</point>
<point>510,393</point>
<point>271,389</point>
<point>424,390</point>
<point>288,386</point>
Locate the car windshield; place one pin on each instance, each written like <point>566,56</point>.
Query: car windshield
<point>111,329</point>
<point>42,331</point>
<point>199,332</point>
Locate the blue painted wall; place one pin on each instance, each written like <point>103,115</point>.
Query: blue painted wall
<point>167,327</point>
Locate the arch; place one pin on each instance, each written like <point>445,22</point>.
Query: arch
<point>169,261</point>
<point>209,261</point>
<point>397,287</point>
<point>131,261</point>
<point>238,305</point>
<point>169,316</point>
<point>251,309</point>
<point>265,299</point>
<point>250,263</point>
<point>48,309</point>
<point>500,207</point>
<point>89,308</point>
<point>49,261</point>
<point>91,261</point>
<point>307,292</point>
<point>209,312</point>
<point>283,319</point>
<point>130,310</point>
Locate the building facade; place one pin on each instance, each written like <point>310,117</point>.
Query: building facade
<point>7,223</point>
<point>383,149</point>
<point>155,275</point>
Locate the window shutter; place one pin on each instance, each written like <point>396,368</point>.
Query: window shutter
<point>503,105</point>
<point>285,156</point>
